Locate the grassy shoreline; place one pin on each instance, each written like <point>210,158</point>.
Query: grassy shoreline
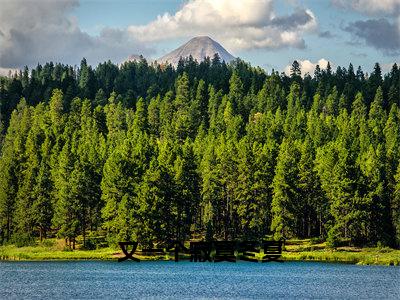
<point>370,257</point>
<point>362,256</point>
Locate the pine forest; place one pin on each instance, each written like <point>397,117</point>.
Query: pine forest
<point>206,150</point>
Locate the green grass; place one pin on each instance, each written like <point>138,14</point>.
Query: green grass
<point>306,251</point>
<point>296,251</point>
<point>53,249</point>
<point>365,257</point>
<point>12,252</point>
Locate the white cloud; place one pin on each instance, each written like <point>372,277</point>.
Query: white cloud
<point>387,67</point>
<point>381,34</point>
<point>245,24</point>
<point>308,67</point>
<point>382,30</point>
<point>6,71</point>
<point>39,31</point>
<point>371,7</point>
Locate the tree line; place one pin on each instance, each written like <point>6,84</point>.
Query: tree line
<point>205,150</point>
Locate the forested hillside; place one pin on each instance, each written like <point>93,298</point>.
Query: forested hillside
<point>150,153</point>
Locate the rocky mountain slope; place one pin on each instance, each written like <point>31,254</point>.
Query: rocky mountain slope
<point>199,47</point>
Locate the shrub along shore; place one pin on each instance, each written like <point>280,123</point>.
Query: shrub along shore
<point>298,251</point>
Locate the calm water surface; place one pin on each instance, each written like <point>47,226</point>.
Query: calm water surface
<point>185,280</point>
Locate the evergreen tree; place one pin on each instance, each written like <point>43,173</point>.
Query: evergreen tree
<point>252,191</point>
<point>395,209</point>
<point>285,204</point>
<point>153,116</point>
<point>182,121</point>
<point>158,213</point>
<point>100,98</point>
<point>65,208</point>
<point>187,189</point>
<point>315,210</point>
<point>11,162</point>
<point>30,168</point>
<point>236,94</point>
<point>200,105</point>
<point>42,208</point>
<point>87,81</point>
<point>122,174</point>
<point>295,71</point>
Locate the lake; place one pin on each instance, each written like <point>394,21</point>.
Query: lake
<point>185,280</point>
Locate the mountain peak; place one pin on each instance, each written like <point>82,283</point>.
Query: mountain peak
<point>198,47</point>
<point>203,38</point>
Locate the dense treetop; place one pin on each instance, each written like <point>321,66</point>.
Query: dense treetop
<point>209,150</point>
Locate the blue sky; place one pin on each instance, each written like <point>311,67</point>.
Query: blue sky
<point>267,33</point>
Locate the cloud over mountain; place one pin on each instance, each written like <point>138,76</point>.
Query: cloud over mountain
<point>246,24</point>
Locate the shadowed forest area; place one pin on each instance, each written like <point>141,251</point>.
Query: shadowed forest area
<point>215,151</point>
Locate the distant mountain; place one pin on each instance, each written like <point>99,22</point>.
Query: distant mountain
<point>199,47</point>
<point>135,57</point>
<point>138,58</point>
